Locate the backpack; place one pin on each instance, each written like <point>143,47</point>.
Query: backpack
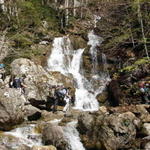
<point>61,93</point>
<point>2,66</point>
<point>17,83</point>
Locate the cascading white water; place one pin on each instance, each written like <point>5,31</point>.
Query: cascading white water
<point>104,62</point>
<point>72,136</point>
<point>96,19</point>
<point>99,79</point>
<point>94,41</point>
<point>67,61</point>
<point>67,11</point>
<point>2,2</point>
<point>25,136</point>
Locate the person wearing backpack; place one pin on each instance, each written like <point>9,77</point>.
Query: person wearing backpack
<point>2,71</point>
<point>17,82</point>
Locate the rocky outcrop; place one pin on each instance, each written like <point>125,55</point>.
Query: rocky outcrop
<point>114,128</point>
<point>38,81</point>
<point>14,108</point>
<point>11,108</point>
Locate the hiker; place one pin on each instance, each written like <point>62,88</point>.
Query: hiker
<point>145,91</point>
<point>61,95</point>
<point>119,62</point>
<point>2,71</point>
<point>17,82</point>
<point>68,101</point>
<point>56,97</point>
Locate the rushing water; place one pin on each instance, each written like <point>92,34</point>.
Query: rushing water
<point>24,136</point>
<point>94,42</point>
<point>68,61</point>
<point>72,136</point>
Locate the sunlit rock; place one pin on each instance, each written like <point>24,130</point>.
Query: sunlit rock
<point>11,108</point>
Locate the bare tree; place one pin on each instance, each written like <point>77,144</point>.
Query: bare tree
<point>142,27</point>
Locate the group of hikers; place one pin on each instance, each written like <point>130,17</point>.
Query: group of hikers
<point>144,88</point>
<point>61,93</point>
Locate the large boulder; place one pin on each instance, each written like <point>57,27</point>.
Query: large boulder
<point>146,129</point>
<point>52,134</point>
<point>103,130</point>
<point>11,108</point>
<point>37,80</point>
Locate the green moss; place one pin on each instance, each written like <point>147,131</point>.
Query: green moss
<point>128,68</point>
<point>142,61</point>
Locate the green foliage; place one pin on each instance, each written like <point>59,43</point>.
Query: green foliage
<point>26,29</point>
<point>135,65</point>
<point>128,68</point>
<point>33,13</point>
<point>21,41</point>
<point>142,61</point>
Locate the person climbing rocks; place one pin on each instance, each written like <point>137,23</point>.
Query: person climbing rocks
<point>145,91</point>
<point>68,100</point>
<point>17,82</point>
<point>61,95</point>
<point>2,72</point>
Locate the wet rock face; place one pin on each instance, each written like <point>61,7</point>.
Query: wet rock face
<point>53,135</point>
<point>11,108</point>
<point>107,131</point>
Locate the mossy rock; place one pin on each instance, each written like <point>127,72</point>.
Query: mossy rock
<point>102,97</point>
<point>78,42</point>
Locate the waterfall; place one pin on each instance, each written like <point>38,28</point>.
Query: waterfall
<point>25,136</point>
<point>72,136</point>
<point>2,4</point>
<point>94,42</point>
<point>96,19</point>
<point>99,79</point>
<point>75,5</point>
<point>104,62</point>
<point>67,61</point>
<point>67,12</point>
